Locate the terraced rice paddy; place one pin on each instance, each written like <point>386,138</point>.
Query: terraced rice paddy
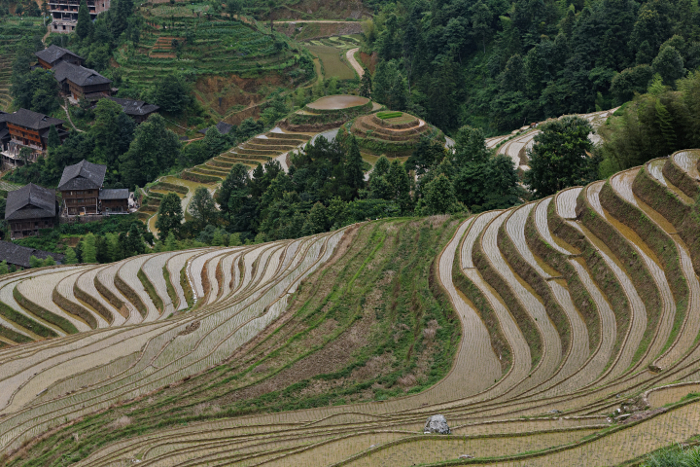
<point>578,312</point>
<point>394,137</point>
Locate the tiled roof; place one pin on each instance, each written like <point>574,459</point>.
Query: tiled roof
<point>19,255</point>
<point>79,75</point>
<point>29,119</point>
<point>134,107</point>
<point>82,176</point>
<point>223,127</point>
<point>53,53</point>
<point>30,202</point>
<point>114,193</point>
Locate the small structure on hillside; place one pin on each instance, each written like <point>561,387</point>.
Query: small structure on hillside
<point>53,55</point>
<point>19,256</point>
<point>137,110</point>
<point>80,187</point>
<point>79,82</point>
<point>29,209</point>
<point>114,200</point>
<point>28,129</point>
<point>223,127</point>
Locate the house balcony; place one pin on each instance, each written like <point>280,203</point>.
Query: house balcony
<point>13,150</point>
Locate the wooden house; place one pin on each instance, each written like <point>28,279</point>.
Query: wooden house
<point>80,187</point>
<point>25,128</point>
<point>52,55</point>
<point>81,83</point>
<point>29,209</point>
<point>114,200</point>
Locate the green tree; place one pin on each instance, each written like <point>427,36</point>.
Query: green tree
<point>3,267</point>
<point>439,196</point>
<point>202,208</point>
<point>665,122</point>
<point>53,140</point>
<point>172,93</point>
<point>35,262</point>
<point>401,185</point>
<point>154,150</point>
<point>366,83</point>
<point>49,261</point>
<point>169,216</point>
<point>84,26</point>
<point>669,64</point>
<point>170,242</point>
<point>88,249</point>
<point>70,256</point>
<point>135,240</point>
<point>354,175</point>
<point>36,90</point>
<point>559,158</point>
<point>630,81</point>
<point>316,221</point>
<point>234,191</point>
<point>112,131</point>
<point>389,86</point>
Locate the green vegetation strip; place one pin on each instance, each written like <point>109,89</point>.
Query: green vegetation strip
<point>387,115</point>
<point>13,336</point>
<point>43,313</point>
<point>150,290</point>
<point>129,293</point>
<point>169,287</point>
<point>185,284</point>
<point>25,322</point>
<point>74,309</point>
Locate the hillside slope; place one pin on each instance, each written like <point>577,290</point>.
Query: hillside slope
<point>577,312</point>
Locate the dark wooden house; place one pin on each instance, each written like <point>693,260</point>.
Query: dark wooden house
<point>52,55</point>
<point>81,83</point>
<point>114,200</point>
<point>137,110</point>
<point>25,128</point>
<point>19,256</point>
<point>29,209</point>
<point>80,187</point>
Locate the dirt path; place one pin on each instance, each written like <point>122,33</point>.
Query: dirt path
<point>350,55</point>
<point>65,109</point>
<point>48,31</point>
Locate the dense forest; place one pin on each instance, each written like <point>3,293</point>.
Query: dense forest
<point>498,65</point>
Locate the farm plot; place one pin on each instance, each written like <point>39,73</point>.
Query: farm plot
<point>571,309</point>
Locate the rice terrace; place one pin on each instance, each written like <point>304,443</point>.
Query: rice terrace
<point>376,233</point>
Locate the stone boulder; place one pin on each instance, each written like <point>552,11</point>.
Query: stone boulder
<point>437,424</point>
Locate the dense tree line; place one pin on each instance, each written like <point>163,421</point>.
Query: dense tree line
<point>326,188</point>
<point>498,65</point>
<point>655,124</point>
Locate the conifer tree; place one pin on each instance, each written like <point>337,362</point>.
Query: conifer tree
<point>366,84</point>
<point>84,26</point>
<point>354,175</point>
<point>70,257</point>
<point>88,249</point>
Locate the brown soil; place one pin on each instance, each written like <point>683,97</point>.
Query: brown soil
<point>222,93</point>
<point>369,61</point>
<point>338,102</point>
